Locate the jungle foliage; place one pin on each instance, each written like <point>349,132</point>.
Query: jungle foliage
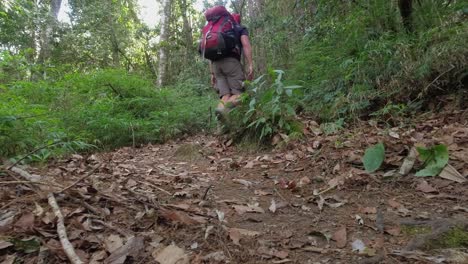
<point>89,82</point>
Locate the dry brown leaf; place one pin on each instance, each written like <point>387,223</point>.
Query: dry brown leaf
<point>249,165</point>
<point>394,231</point>
<point>26,222</point>
<point>9,259</point>
<point>112,243</point>
<point>304,181</point>
<point>171,255</point>
<point>241,209</point>
<point>450,173</point>
<point>97,257</point>
<point>290,157</point>
<point>235,234</point>
<point>423,186</point>
<point>340,236</point>
<point>316,250</point>
<point>5,244</point>
<point>132,248</point>
<point>272,207</point>
<point>179,217</point>
<point>368,210</point>
<point>409,161</point>
<point>243,182</point>
<point>261,193</point>
<point>394,204</point>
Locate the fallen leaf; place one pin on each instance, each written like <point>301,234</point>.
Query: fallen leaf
<point>9,259</point>
<point>336,169</point>
<point>450,173</point>
<point>249,165</point>
<point>241,209</point>
<point>26,222</point>
<point>217,256</point>
<point>281,261</point>
<point>5,244</point>
<point>6,220</point>
<point>132,248</point>
<point>272,207</point>
<point>320,203</point>
<point>235,234</point>
<point>394,231</point>
<point>39,210</point>
<point>358,246</point>
<point>394,134</point>
<point>171,255</point>
<point>209,230</point>
<point>394,204</point>
<point>304,181</point>
<point>359,220</point>
<point>179,217</point>
<point>340,236</point>
<point>243,182</point>
<point>368,210</point>
<point>423,186</point>
<point>409,161</point>
<point>316,250</point>
<point>460,208</point>
<point>335,182</point>
<point>261,193</point>
<point>290,157</point>
<point>97,257</point>
<point>112,243</point>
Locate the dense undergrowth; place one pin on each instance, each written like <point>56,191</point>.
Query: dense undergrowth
<point>358,59</point>
<point>102,109</point>
<point>343,61</point>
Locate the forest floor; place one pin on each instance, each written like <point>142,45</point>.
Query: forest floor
<point>203,200</point>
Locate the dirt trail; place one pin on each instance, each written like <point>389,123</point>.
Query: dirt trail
<point>309,201</point>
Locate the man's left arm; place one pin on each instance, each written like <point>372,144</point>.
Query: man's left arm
<point>247,48</point>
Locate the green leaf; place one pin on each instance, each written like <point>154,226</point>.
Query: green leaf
<point>374,157</point>
<point>27,246</point>
<point>435,158</point>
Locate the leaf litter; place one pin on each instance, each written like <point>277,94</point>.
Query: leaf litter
<point>145,204</point>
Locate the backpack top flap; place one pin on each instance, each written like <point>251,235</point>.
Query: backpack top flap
<point>214,13</point>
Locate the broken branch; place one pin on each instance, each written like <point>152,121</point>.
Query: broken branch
<point>62,232</point>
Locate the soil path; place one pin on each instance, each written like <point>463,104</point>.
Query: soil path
<point>202,200</point>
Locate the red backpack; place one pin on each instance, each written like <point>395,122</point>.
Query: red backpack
<point>219,36</point>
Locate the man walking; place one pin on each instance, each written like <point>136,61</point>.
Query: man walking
<point>224,42</point>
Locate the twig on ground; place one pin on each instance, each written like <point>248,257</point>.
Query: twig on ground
<point>111,227</point>
<point>156,187</point>
<point>206,192</point>
<point>30,182</point>
<point>25,174</point>
<point>91,208</point>
<point>62,232</point>
<point>87,175</point>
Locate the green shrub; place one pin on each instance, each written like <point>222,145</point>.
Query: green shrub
<point>107,109</point>
<point>267,110</point>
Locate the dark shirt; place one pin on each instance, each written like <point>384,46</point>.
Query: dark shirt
<point>240,31</point>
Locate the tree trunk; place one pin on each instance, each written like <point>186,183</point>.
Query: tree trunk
<point>163,50</point>
<point>187,31</point>
<point>46,35</point>
<point>406,9</point>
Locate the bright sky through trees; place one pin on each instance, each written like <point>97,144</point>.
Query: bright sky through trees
<point>148,13</point>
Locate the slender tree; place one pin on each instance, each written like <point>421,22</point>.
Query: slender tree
<point>46,35</point>
<point>163,50</point>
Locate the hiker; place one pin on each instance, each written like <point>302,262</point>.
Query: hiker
<point>224,40</point>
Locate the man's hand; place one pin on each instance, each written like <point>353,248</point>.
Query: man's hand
<point>250,73</point>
